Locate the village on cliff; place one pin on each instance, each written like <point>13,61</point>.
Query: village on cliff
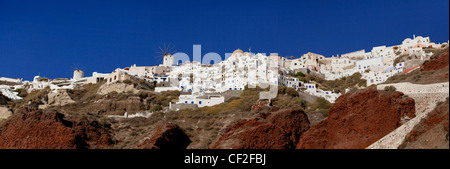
<point>203,85</point>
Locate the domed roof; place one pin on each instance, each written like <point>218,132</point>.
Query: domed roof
<point>238,51</point>
<point>407,40</point>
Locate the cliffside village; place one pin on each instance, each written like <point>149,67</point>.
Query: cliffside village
<point>205,83</point>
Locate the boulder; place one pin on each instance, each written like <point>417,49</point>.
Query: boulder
<point>4,112</point>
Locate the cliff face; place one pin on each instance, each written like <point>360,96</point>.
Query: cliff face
<point>131,104</point>
<point>436,63</point>
<point>167,136</point>
<point>271,130</point>
<point>358,119</point>
<point>3,99</point>
<point>49,130</point>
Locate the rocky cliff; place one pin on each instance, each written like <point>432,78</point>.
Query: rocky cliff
<point>49,130</point>
<point>271,130</point>
<point>437,63</point>
<point>358,119</point>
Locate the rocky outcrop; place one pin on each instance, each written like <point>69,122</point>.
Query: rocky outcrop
<point>358,119</point>
<point>280,129</point>
<point>130,104</point>
<point>436,63</point>
<point>260,105</point>
<point>5,112</point>
<point>117,87</point>
<point>60,98</point>
<point>168,136</point>
<point>3,99</point>
<point>49,130</point>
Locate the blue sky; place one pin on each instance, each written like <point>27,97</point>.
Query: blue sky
<point>51,38</point>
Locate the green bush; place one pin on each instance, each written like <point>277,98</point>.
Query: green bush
<point>127,81</point>
<point>157,108</point>
<point>292,92</point>
<point>298,74</point>
<point>282,89</point>
<point>344,83</point>
<point>389,88</point>
<point>321,105</point>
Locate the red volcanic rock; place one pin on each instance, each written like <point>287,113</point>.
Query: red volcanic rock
<point>47,130</point>
<point>275,130</point>
<point>92,133</point>
<point>168,136</point>
<point>293,122</point>
<point>436,64</point>
<point>38,130</point>
<point>260,106</point>
<point>358,119</point>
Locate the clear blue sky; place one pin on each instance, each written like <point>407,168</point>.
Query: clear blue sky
<point>50,38</point>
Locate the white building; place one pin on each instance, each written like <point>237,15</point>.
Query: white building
<point>362,65</point>
<point>290,82</point>
<point>96,77</point>
<point>201,101</point>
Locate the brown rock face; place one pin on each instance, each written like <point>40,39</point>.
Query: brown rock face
<point>358,119</point>
<point>271,130</point>
<point>49,130</point>
<point>3,99</point>
<point>260,106</point>
<point>132,104</point>
<point>436,64</point>
<point>168,136</point>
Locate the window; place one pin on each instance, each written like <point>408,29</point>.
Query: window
<point>185,101</point>
<point>199,102</point>
<point>192,102</point>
